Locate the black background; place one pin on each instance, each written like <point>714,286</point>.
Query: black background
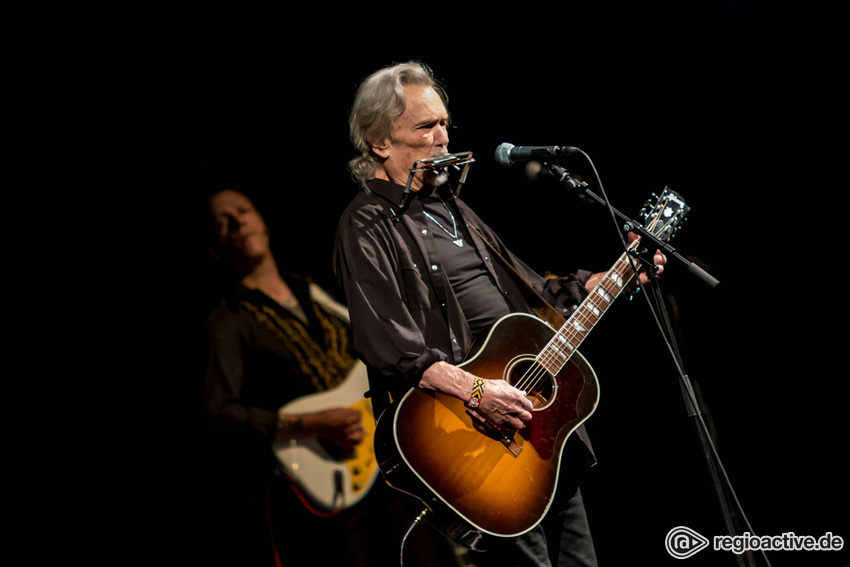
<point>735,105</point>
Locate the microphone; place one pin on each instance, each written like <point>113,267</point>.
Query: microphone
<point>509,154</point>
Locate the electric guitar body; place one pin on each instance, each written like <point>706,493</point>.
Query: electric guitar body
<point>327,480</point>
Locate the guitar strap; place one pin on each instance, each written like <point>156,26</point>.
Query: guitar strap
<point>538,305</point>
<point>322,297</point>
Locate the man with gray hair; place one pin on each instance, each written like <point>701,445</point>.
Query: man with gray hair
<point>424,284</point>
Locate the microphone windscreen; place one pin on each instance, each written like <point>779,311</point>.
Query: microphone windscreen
<point>503,154</point>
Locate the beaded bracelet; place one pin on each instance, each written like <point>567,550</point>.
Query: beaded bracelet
<point>477,393</point>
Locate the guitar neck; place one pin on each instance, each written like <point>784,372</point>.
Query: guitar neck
<point>663,221</point>
<point>568,338</point>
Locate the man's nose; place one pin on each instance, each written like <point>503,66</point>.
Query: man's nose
<point>442,136</point>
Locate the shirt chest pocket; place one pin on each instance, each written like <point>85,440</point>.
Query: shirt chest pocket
<point>416,286</point>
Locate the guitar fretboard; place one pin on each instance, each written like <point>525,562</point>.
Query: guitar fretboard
<point>668,212</point>
<point>568,338</point>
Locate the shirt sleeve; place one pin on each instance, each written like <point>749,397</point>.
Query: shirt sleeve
<point>225,379</point>
<point>385,332</point>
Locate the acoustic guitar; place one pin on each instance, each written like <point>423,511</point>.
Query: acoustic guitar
<point>480,483</point>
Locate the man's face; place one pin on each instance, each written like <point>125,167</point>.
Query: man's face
<point>238,225</point>
<point>419,133</point>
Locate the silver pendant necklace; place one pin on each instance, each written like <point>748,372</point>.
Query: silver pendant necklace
<point>456,239</point>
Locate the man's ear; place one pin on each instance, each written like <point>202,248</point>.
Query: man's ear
<point>381,149</point>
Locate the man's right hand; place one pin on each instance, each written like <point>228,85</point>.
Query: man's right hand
<point>501,405</point>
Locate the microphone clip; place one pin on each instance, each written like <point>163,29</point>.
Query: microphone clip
<point>564,177</point>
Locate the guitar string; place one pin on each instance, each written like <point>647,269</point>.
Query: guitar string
<point>572,335</point>
<point>549,357</point>
<point>552,357</point>
<point>539,371</point>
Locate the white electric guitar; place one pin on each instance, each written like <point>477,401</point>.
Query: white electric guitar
<point>328,480</point>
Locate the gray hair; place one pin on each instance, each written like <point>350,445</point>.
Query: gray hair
<point>378,102</point>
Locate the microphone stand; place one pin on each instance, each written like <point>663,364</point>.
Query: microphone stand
<point>718,475</point>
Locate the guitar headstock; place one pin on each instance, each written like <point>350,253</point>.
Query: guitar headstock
<point>664,217</point>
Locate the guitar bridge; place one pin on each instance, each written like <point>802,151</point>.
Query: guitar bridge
<point>511,445</point>
<point>487,429</point>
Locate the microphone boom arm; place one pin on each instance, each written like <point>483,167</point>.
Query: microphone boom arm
<point>630,225</point>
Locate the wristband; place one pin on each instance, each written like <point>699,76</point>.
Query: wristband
<point>477,393</point>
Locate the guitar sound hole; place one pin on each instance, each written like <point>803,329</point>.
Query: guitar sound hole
<point>536,381</point>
